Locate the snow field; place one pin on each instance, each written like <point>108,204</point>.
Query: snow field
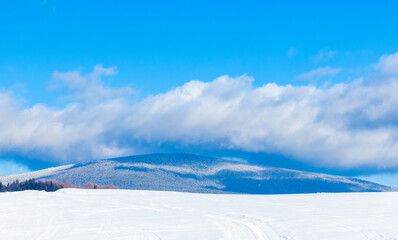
<point>129,214</point>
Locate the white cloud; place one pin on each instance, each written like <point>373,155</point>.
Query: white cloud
<point>324,55</point>
<point>322,126</point>
<point>88,127</point>
<point>344,125</point>
<point>319,73</point>
<point>88,88</point>
<point>388,64</point>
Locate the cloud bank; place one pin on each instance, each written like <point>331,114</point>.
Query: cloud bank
<point>341,126</point>
<point>388,64</point>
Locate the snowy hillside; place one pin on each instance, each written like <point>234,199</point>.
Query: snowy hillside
<point>191,173</point>
<point>126,214</point>
<point>36,174</point>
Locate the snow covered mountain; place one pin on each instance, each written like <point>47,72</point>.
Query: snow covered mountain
<point>192,173</point>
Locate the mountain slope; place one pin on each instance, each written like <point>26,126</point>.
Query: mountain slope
<point>192,173</point>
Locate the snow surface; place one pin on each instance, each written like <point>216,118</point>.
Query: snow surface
<point>132,214</point>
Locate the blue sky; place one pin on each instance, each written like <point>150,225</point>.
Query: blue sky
<point>66,64</point>
<point>158,45</point>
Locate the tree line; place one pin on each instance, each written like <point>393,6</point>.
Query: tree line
<point>30,184</point>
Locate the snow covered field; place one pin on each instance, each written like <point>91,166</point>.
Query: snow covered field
<point>128,214</point>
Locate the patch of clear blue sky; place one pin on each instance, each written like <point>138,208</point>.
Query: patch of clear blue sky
<point>158,45</point>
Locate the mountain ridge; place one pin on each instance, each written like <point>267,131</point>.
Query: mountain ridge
<point>194,173</point>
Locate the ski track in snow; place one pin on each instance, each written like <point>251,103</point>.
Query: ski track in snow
<point>130,214</point>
